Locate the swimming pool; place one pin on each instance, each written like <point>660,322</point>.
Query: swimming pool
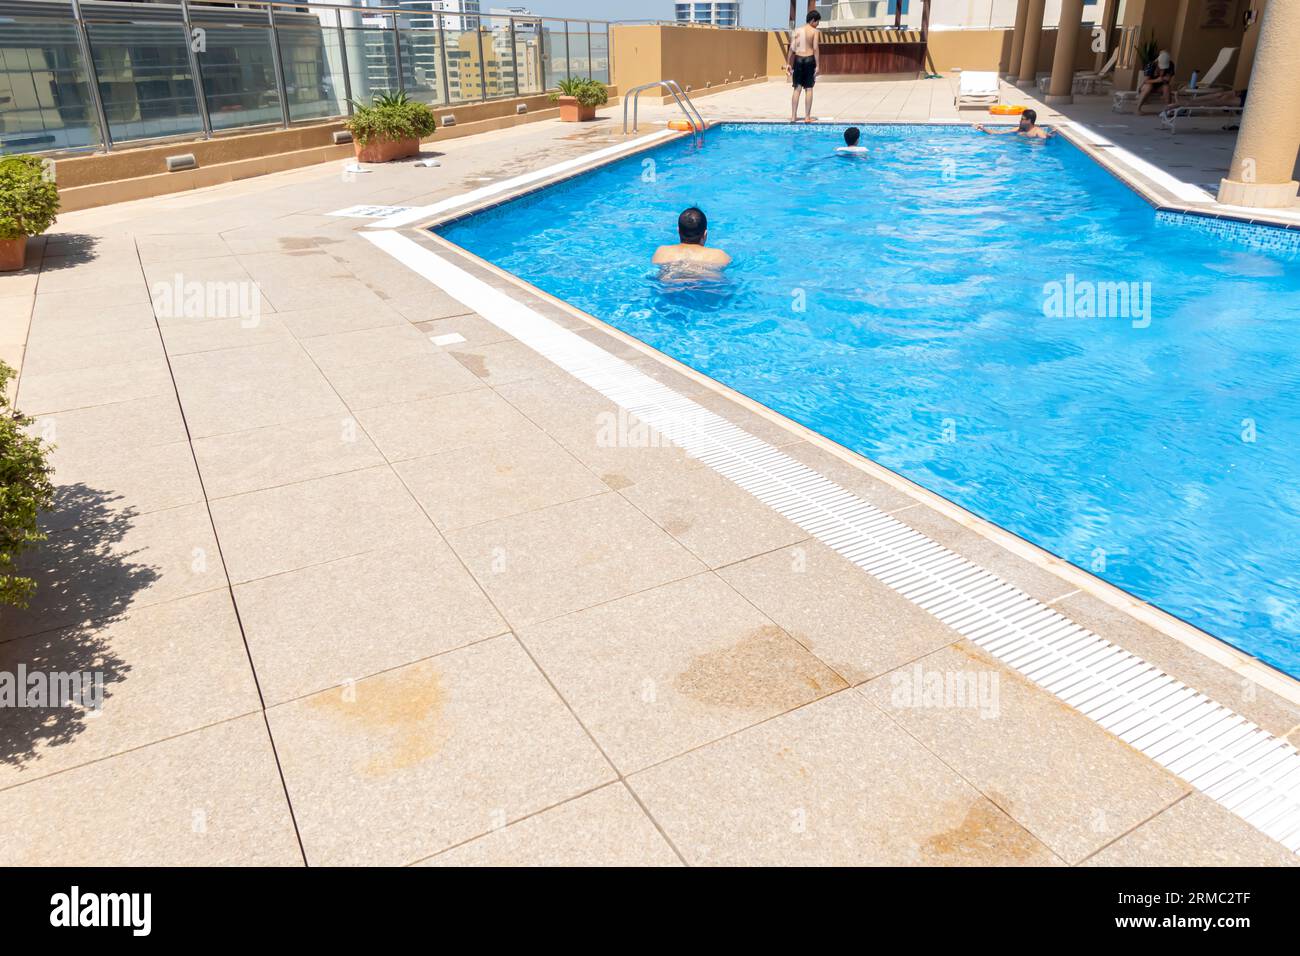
<point>930,309</point>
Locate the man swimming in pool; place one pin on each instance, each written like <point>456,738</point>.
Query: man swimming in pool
<point>851,147</point>
<point>691,253</point>
<point>1027,128</point>
<point>802,63</point>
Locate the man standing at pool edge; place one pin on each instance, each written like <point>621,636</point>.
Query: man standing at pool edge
<point>802,63</point>
<point>692,230</point>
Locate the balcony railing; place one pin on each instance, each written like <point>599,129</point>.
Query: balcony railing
<point>94,74</point>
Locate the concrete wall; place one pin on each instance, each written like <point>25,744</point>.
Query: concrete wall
<point>696,57</point>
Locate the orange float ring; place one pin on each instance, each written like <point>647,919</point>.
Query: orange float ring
<point>1006,109</point>
<point>681,125</point>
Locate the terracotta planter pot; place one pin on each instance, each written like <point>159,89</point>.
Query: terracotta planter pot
<point>571,111</point>
<point>13,253</point>
<point>384,150</point>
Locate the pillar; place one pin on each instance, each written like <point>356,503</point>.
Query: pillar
<point>1029,51</point>
<point>1249,41</point>
<point>1265,156</point>
<point>1017,42</point>
<point>1061,90</point>
<point>1108,20</point>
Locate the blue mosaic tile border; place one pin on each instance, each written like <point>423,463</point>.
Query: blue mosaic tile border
<point>1256,235</point>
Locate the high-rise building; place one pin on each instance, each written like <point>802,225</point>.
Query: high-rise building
<point>719,13</point>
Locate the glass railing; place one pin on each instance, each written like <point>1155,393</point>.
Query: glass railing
<point>92,74</point>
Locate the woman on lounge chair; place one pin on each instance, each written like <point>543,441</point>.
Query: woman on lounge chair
<point>1158,75</point>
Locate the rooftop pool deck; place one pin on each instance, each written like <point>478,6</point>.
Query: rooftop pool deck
<point>398,560</point>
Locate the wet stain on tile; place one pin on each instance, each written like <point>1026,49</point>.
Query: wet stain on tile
<point>677,526</point>
<point>474,362</point>
<point>984,835</point>
<point>763,671</point>
<point>616,481</point>
<point>400,715</point>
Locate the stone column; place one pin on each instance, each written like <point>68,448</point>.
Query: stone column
<point>1108,20</point>
<point>1029,50</point>
<point>1061,90</point>
<point>1264,158</point>
<point>1017,42</point>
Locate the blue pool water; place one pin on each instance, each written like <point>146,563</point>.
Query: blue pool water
<point>897,305</point>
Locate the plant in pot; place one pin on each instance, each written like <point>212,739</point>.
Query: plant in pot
<point>390,128</point>
<point>29,200</point>
<point>578,99</point>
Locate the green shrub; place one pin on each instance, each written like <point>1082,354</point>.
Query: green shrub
<point>586,92</point>
<point>391,116</point>
<point>28,198</point>
<point>25,491</point>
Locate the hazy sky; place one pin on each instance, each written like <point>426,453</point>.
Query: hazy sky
<point>752,12</point>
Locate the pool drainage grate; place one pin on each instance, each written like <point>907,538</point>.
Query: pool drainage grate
<point>1217,751</point>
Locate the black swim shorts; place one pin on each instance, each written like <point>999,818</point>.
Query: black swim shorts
<point>804,71</point>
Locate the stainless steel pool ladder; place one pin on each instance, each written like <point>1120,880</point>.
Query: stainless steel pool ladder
<point>683,100</point>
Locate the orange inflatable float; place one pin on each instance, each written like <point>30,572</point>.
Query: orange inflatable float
<point>1006,109</point>
<point>681,124</point>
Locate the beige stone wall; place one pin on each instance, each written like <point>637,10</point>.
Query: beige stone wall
<point>696,57</point>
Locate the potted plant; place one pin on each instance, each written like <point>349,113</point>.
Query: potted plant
<point>578,99</point>
<point>390,128</point>
<point>29,200</point>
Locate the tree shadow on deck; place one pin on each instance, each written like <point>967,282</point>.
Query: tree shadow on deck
<point>85,582</point>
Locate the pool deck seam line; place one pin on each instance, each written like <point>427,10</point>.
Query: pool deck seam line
<point>1213,749</point>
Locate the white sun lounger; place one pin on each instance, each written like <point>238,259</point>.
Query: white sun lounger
<point>1170,117</point>
<point>1085,81</point>
<point>977,89</point>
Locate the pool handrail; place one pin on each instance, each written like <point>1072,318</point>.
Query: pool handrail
<point>674,88</point>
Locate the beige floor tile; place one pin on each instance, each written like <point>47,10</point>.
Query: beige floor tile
<point>208,798</point>
<point>179,246</point>
<point>295,526</point>
<point>331,320</point>
<point>850,620</point>
<point>64,314</point>
<point>240,462</point>
<point>330,623</point>
<point>430,304</point>
<point>141,480</point>
<point>1273,713</point>
<point>237,389</point>
<point>833,783</point>
<point>613,443</point>
<point>183,338</point>
<point>1195,831</point>
<point>390,343</point>
<point>415,760</point>
<point>41,393</point>
<point>1086,788</point>
<point>294,295</point>
<point>718,521</point>
<point>431,426</point>
<point>402,380</point>
<point>657,673</point>
<point>602,828</point>
<point>474,329</point>
<point>150,662</point>
<point>15,317</point>
<point>500,363</point>
<point>484,482</point>
<point>139,423</point>
<point>115,561</point>
<point>567,557</point>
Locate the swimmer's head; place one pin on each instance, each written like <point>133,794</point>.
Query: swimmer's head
<point>813,17</point>
<point>692,226</point>
<point>1028,118</point>
<point>851,136</point>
